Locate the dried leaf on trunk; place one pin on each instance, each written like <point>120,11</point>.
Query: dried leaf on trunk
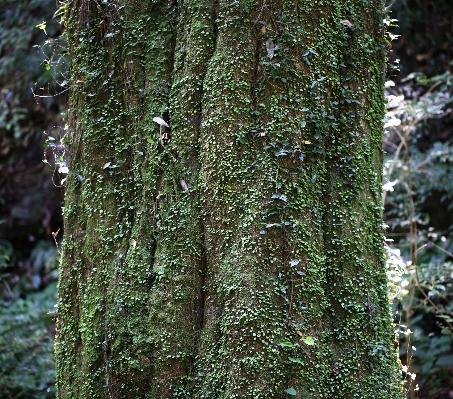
<point>184,186</point>
<point>345,22</point>
<point>160,121</point>
<point>270,48</point>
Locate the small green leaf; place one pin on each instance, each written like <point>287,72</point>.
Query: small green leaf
<point>291,391</point>
<point>286,343</point>
<point>308,340</point>
<point>291,359</point>
<point>446,331</point>
<point>446,317</point>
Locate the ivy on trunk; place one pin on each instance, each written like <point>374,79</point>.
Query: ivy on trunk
<point>223,218</point>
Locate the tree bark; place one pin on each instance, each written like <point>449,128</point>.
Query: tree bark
<point>236,252</point>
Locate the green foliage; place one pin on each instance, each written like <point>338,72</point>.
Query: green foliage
<point>26,323</point>
<point>418,194</point>
<point>413,108</point>
<point>26,346</point>
<point>426,42</point>
<point>39,269</point>
<point>19,63</point>
<point>29,210</point>
<point>6,254</point>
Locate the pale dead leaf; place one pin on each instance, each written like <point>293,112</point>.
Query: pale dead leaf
<point>106,165</point>
<point>184,186</point>
<point>307,142</point>
<point>345,22</point>
<point>160,121</point>
<point>134,243</point>
<point>270,47</point>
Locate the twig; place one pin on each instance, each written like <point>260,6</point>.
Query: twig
<point>54,235</point>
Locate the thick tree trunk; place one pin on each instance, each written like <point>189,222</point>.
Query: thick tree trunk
<point>236,253</point>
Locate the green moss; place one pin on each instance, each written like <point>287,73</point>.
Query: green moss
<point>193,252</point>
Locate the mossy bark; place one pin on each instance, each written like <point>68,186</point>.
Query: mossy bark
<point>236,253</point>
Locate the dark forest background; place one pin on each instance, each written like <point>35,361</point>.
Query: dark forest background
<point>418,192</point>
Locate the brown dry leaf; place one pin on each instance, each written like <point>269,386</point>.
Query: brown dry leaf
<point>160,121</point>
<point>345,22</point>
<point>299,334</point>
<point>307,142</point>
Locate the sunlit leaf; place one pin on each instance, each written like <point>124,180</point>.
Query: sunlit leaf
<point>309,340</point>
<point>286,344</point>
<point>291,391</point>
<point>42,26</point>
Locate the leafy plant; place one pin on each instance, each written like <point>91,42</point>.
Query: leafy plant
<point>26,348</point>
<point>420,270</point>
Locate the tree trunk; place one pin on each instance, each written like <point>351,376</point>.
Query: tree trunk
<point>236,253</point>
